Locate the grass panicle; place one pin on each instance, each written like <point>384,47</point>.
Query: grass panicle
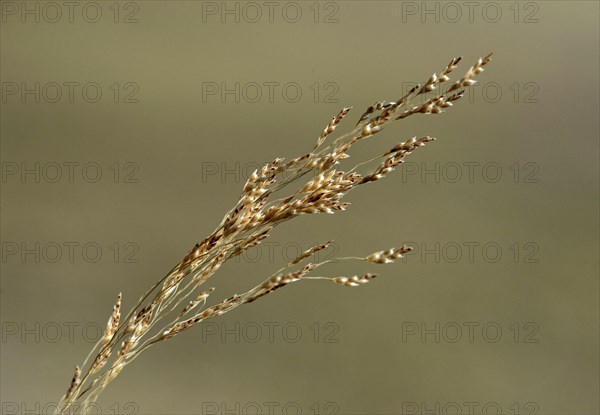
<point>179,300</point>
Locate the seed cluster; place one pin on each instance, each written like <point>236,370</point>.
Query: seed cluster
<point>179,300</point>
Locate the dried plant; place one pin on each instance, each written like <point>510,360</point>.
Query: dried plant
<point>178,301</point>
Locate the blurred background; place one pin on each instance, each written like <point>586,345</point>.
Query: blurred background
<point>128,129</point>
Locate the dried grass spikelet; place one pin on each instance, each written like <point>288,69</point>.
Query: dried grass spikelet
<point>354,281</point>
<point>435,105</point>
<point>184,325</point>
<point>138,325</point>
<point>260,181</point>
<point>113,321</point>
<point>75,382</point>
<point>378,106</point>
<point>467,79</point>
<point>395,157</point>
<point>276,282</point>
<point>250,242</point>
<point>125,347</point>
<point>211,268</point>
<point>111,328</point>
<point>389,108</point>
<point>435,80</point>
<point>309,252</point>
<point>169,286</point>
<point>200,299</point>
<point>389,256</point>
<point>100,359</point>
<point>331,126</point>
<point>213,311</point>
<point>370,129</point>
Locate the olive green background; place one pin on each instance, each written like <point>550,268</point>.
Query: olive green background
<point>545,120</point>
